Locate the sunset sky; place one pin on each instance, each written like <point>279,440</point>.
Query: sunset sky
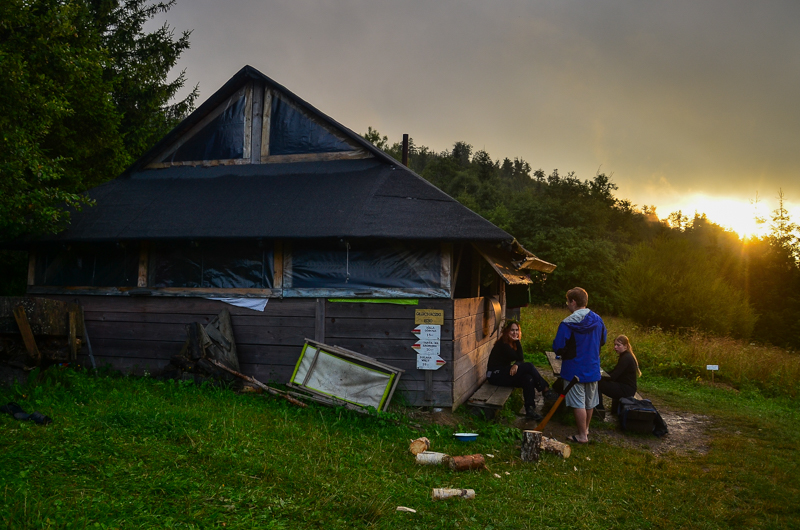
<point>690,105</point>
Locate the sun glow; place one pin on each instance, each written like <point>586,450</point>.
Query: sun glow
<point>741,216</point>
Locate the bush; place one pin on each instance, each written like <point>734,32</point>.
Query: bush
<point>673,284</point>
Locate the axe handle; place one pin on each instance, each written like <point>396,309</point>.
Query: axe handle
<point>554,408</point>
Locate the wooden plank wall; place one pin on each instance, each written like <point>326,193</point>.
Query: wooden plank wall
<point>134,334</point>
<point>138,334</point>
<point>383,331</point>
<point>471,347</point>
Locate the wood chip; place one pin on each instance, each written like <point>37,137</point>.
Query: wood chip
<point>406,509</point>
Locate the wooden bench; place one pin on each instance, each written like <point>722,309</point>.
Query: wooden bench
<point>555,364</point>
<point>488,399</point>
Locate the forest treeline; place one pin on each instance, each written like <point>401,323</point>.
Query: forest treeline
<point>676,273</point>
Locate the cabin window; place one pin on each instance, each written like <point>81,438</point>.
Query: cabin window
<point>365,265</point>
<point>216,264</point>
<point>99,265</point>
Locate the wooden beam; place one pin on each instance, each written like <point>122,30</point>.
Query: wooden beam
<point>447,267</point>
<point>73,336</point>
<point>31,267</point>
<point>287,266</point>
<point>265,124</point>
<point>258,116</point>
<point>319,321</point>
<point>454,278</point>
<point>277,265</point>
<point>27,334</point>
<point>317,157</point>
<point>475,287</point>
<point>248,121</point>
<point>203,163</point>
<point>144,256</point>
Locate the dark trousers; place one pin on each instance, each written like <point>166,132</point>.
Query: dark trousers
<point>613,390</point>
<point>527,378</point>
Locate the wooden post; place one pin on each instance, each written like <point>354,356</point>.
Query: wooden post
<point>31,267</point>
<point>319,322</point>
<point>27,334</point>
<point>531,442</point>
<point>428,397</point>
<point>405,150</point>
<point>143,259</point>
<point>73,336</point>
<point>257,116</point>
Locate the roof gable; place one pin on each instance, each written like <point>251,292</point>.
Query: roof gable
<point>253,120</point>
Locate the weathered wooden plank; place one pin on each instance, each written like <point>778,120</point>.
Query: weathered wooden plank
<point>267,114</point>
<point>317,157</point>
<point>463,389</point>
<point>375,328</point>
<point>468,343</point>
<point>465,307</point>
<point>27,334</point>
<point>555,364</point>
<point>470,325</point>
<point>153,331</point>
<point>491,395</point>
<point>375,292</point>
<point>319,321</point>
<point>276,307</point>
<point>390,349</point>
<point>277,263</point>
<point>252,319</point>
<point>476,358</point>
<point>416,398</point>
<point>248,122</point>
<point>370,310</point>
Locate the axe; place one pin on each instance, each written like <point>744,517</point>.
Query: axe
<point>543,424</point>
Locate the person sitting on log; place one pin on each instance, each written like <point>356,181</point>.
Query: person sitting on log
<point>621,382</point>
<point>507,367</point>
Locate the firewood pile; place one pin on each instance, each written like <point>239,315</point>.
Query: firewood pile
<point>203,345</point>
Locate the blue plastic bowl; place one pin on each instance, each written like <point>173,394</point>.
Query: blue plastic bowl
<point>466,436</point>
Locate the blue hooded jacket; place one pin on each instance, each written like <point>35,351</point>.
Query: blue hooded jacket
<point>578,343</point>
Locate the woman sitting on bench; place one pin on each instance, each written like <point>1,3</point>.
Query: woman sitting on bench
<point>501,371</point>
<point>621,382</point>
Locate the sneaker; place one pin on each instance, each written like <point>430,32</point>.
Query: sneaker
<point>550,396</point>
<point>531,413</point>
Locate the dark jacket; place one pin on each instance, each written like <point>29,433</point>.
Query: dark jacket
<point>503,356</point>
<point>626,371</point>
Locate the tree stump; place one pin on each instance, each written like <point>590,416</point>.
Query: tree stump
<point>555,447</point>
<point>531,445</point>
<point>467,462</point>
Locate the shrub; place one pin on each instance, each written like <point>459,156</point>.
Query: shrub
<point>673,284</point>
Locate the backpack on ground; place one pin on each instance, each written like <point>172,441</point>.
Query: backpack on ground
<point>639,415</point>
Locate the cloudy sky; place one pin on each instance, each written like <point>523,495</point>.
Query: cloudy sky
<point>690,105</point>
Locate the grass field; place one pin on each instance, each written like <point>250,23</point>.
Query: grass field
<point>128,452</point>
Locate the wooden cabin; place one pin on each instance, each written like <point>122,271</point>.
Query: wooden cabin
<point>260,203</point>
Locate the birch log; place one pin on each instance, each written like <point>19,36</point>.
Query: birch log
<point>439,494</point>
<point>555,447</point>
<point>430,458</point>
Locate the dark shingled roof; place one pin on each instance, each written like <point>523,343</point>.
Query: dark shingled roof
<point>367,198</point>
<point>344,198</point>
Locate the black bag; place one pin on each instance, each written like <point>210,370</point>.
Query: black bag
<point>639,415</point>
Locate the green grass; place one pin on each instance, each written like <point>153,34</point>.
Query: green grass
<point>138,453</point>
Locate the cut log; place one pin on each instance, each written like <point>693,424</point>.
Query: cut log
<point>465,463</point>
<point>531,446</point>
<point>555,447</point>
<point>430,458</point>
<point>439,494</point>
<point>419,445</point>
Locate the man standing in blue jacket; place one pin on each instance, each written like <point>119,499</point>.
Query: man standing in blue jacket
<point>578,343</point>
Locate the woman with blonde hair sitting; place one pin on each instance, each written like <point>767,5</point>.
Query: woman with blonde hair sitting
<point>621,382</point>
